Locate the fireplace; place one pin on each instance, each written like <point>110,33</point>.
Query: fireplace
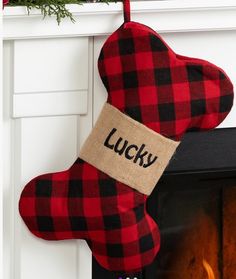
<point>195,207</point>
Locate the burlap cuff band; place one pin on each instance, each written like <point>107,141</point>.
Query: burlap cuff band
<point>127,150</point>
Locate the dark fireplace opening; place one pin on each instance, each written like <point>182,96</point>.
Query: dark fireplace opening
<point>198,229</point>
<point>194,205</point>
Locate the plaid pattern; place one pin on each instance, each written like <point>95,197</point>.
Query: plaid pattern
<point>168,93</point>
<point>85,203</point>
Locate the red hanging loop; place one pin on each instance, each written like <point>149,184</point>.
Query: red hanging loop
<point>126,10</point>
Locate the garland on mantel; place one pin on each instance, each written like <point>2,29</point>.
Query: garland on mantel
<point>51,7</point>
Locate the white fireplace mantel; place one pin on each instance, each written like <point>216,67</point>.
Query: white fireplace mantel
<point>52,95</point>
<point>99,18</point>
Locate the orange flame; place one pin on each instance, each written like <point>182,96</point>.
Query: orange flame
<point>209,270</point>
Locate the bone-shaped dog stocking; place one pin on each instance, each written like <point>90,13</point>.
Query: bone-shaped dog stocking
<point>168,93</point>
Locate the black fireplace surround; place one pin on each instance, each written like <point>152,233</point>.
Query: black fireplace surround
<point>189,205</point>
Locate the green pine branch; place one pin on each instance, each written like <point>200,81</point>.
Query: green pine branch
<point>52,7</point>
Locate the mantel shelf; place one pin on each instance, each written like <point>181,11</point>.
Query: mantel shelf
<point>93,19</point>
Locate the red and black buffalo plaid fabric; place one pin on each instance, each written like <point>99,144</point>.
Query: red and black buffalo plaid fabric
<point>170,94</point>
<point>167,92</point>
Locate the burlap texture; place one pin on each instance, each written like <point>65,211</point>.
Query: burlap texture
<point>127,150</point>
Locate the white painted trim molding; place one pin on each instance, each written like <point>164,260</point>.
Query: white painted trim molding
<point>94,19</point>
<point>40,104</point>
